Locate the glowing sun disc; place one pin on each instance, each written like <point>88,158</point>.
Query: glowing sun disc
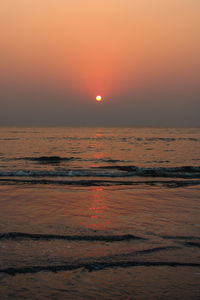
<point>98,98</point>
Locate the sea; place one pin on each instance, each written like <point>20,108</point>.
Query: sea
<point>99,213</point>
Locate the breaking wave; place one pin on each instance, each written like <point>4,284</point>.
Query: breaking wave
<point>187,172</point>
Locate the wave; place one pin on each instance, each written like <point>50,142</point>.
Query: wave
<point>95,266</point>
<point>183,171</point>
<point>84,183</point>
<point>192,244</point>
<point>47,159</point>
<point>157,249</point>
<point>179,237</point>
<point>59,159</point>
<point>109,160</point>
<point>170,139</point>
<point>139,258</point>
<point>189,172</point>
<point>89,238</point>
<point>123,139</point>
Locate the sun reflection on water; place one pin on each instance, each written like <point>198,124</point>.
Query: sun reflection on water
<point>97,210</point>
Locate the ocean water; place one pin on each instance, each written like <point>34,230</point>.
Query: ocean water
<point>99,213</point>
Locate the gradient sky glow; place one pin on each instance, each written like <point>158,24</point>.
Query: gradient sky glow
<point>142,56</point>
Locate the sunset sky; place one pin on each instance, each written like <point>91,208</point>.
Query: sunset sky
<point>141,56</point>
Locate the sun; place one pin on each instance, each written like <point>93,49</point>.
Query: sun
<point>98,98</point>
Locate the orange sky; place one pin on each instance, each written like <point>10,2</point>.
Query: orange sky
<point>108,47</point>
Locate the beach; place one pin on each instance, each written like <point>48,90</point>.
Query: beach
<point>99,213</point>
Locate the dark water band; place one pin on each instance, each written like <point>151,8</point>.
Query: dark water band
<point>94,182</point>
<point>95,266</point>
<point>89,238</point>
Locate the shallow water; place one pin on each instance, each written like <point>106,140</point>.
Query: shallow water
<point>99,213</point>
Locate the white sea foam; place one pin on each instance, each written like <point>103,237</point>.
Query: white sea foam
<point>115,171</point>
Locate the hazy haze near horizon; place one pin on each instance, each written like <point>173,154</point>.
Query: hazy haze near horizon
<point>142,56</point>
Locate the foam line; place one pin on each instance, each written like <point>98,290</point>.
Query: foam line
<point>168,183</point>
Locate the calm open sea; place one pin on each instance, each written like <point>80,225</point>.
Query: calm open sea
<point>99,213</point>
